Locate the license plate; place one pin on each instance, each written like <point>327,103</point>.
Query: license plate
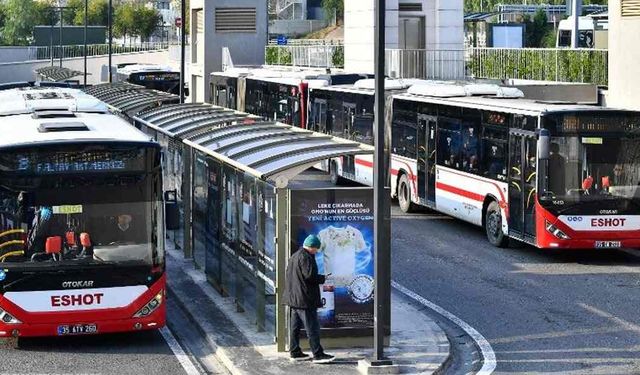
<point>608,244</point>
<point>77,329</point>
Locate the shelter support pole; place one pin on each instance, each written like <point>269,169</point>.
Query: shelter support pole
<point>187,201</point>
<point>282,246</point>
<point>183,42</point>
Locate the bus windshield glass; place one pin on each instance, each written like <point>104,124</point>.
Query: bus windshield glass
<point>91,205</point>
<point>590,164</point>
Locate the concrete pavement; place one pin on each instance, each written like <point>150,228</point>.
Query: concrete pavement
<point>418,345</point>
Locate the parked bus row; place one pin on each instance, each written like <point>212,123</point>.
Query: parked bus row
<point>554,175</point>
<point>81,218</point>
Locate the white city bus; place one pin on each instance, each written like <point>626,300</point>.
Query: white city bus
<point>81,218</point>
<point>552,175</point>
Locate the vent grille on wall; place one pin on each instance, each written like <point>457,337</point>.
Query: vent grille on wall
<point>235,20</point>
<point>410,7</point>
<point>630,8</point>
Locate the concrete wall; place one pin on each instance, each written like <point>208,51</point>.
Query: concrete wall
<point>24,71</point>
<point>444,28</point>
<point>245,48</point>
<point>17,53</point>
<point>295,27</point>
<point>359,33</point>
<point>624,70</point>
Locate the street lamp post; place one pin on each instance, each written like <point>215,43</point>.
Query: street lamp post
<point>110,25</point>
<point>60,42</point>
<point>183,41</point>
<point>86,13</point>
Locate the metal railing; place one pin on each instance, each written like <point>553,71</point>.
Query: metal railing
<point>425,64</point>
<point>309,42</point>
<point>44,52</point>
<point>318,56</point>
<point>543,64</point>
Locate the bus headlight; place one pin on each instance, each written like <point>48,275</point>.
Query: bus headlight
<point>556,232</point>
<point>151,306</point>
<point>7,318</point>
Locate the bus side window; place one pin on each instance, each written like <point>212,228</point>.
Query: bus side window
<point>494,155</point>
<point>403,139</point>
<point>449,142</point>
<point>470,147</point>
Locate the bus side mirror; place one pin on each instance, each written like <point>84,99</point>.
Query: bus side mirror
<point>543,144</point>
<point>171,211</point>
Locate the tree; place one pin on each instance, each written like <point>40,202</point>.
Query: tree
<point>332,7</point>
<point>19,22</point>
<point>124,21</point>
<point>44,14</point>
<point>147,20</point>
<point>3,15</point>
<point>97,13</point>
<point>69,15</point>
<point>536,28</point>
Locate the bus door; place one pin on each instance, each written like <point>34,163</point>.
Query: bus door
<point>348,117</point>
<point>427,159</point>
<point>522,185</point>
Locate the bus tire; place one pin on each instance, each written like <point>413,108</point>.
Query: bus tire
<point>493,225</point>
<point>333,173</point>
<point>404,194</point>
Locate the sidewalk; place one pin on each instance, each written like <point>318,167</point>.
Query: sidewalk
<point>418,345</point>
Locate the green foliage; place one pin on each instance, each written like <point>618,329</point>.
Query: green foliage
<point>536,29</point>
<point>147,20</point>
<point>97,14</point>
<point>338,57</point>
<point>69,15</point>
<point>3,15</point>
<point>124,20</point>
<point>278,55</point>
<point>563,65</point>
<point>333,6</point>
<point>490,5</point>
<point>20,19</point>
<point>43,14</point>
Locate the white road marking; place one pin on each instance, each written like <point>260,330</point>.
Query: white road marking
<point>489,363</point>
<point>182,357</point>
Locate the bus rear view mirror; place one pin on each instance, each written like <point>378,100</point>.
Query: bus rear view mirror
<point>543,144</point>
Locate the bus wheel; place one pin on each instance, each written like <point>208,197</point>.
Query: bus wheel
<point>333,173</point>
<point>493,226</point>
<point>404,194</point>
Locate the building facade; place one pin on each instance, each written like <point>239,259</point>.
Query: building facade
<point>239,25</point>
<point>624,70</point>
<point>428,25</point>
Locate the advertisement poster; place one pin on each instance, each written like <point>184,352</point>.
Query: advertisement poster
<point>343,219</point>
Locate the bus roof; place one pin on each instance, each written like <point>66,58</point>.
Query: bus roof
<point>46,124</point>
<point>29,99</point>
<point>520,106</point>
<point>142,68</point>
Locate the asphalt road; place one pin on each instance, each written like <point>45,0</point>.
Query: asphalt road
<point>129,353</point>
<point>139,353</point>
<point>542,311</point>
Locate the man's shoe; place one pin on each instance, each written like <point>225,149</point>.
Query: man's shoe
<point>300,356</point>
<point>323,358</point>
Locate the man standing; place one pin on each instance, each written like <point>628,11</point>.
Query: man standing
<point>302,295</point>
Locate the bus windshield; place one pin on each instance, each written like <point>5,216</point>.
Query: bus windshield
<point>59,208</point>
<point>582,168</point>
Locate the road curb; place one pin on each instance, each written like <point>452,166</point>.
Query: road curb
<point>220,352</point>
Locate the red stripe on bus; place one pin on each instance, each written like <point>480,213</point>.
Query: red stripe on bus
<point>460,192</point>
<point>394,172</point>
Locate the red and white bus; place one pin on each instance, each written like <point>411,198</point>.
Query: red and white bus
<point>81,218</point>
<point>347,111</point>
<point>279,94</point>
<point>551,175</point>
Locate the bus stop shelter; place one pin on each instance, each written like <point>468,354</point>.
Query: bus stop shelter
<point>247,201</point>
<point>129,99</point>
<point>56,74</point>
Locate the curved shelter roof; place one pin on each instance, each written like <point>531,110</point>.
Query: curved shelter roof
<point>266,149</point>
<point>128,98</point>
